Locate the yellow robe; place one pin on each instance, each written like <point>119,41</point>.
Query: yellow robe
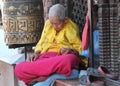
<point>68,37</point>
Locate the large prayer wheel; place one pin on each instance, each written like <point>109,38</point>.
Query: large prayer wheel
<point>22,21</point>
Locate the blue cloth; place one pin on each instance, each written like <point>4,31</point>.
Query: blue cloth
<point>95,44</point>
<point>50,80</point>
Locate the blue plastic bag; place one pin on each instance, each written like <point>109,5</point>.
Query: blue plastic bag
<point>95,44</point>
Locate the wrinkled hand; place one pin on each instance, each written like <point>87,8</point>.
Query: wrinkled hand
<point>33,57</point>
<point>68,51</point>
<point>64,51</point>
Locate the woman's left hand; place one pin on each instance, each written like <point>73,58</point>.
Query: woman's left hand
<point>68,51</point>
<point>64,51</point>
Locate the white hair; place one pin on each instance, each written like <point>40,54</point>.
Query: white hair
<point>57,10</point>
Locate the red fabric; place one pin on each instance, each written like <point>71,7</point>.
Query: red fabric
<point>85,34</point>
<point>47,64</point>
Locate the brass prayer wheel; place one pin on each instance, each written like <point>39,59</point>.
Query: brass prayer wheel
<point>22,21</point>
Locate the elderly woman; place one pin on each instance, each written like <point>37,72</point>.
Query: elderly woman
<point>56,52</point>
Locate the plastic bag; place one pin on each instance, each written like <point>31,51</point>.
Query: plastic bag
<point>96,45</point>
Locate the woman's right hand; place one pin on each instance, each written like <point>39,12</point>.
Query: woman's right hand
<point>33,57</point>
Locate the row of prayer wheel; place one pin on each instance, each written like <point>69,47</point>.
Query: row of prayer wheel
<point>109,31</point>
<point>22,21</point>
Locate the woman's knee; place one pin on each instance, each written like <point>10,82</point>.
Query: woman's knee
<point>18,70</point>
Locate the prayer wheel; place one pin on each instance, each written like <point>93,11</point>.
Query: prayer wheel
<point>22,21</point>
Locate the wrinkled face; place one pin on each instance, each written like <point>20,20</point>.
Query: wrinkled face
<point>56,23</point>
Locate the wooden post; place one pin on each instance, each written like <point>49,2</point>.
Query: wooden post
<point>91,56</point>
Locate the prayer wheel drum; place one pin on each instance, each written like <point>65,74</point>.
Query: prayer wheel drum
<point>22,21</point>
